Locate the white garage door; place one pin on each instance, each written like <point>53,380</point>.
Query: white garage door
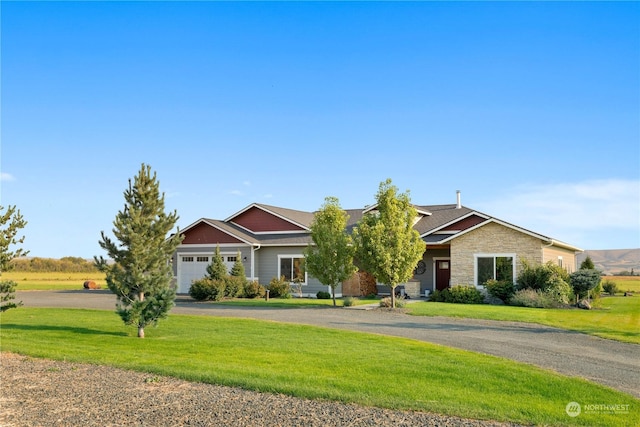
<point>190,268</point>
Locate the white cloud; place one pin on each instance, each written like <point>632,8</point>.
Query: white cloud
<point>579,209</point>
<point>247,183</point>
<point>236,192</point>
<point>6,177</point>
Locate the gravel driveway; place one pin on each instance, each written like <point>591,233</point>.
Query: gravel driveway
<point>607,362</point>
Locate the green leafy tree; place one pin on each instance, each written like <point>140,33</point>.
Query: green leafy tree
<point>387,246</point>
<point>140,274</point>
<point>330,259</point>
<point>587,264</point>
<point>217,270</point>
<point>11,222</point>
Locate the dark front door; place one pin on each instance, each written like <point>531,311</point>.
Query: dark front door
<point>443,274</point>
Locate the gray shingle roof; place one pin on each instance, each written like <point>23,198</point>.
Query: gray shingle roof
<point>441,215</point>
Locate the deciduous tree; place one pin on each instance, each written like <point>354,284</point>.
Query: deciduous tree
<point>140,274</point>
<point>387,246</point>
<point>330,259</point>
<point>11,222</point>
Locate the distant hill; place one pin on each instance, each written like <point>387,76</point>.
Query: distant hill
<point>613,261</point>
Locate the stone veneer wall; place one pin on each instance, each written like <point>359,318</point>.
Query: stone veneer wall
<point>490,239</point>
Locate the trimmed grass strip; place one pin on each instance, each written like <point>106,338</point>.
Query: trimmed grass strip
<point>316,363</point>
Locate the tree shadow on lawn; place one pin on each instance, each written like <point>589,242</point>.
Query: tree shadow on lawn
<point>74,330</point>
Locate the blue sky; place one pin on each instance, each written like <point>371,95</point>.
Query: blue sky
<point>531,110</point>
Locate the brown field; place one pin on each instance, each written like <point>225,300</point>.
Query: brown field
<point>33,281</point>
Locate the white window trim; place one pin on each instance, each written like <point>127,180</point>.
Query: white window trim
<point>492,255</point>
<point>289,256</point>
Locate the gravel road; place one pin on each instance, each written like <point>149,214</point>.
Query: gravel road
<point>607,362</point>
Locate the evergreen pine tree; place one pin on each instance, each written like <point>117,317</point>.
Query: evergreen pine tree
<point>587,264</point>
<point>11,221</point>
<point>238,268</point>
<point>217,270</point>
<point>140,274</point>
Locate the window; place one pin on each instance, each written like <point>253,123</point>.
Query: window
<point>560,262</point>
<point>187,259</point>
<point>202,259</point>
<point>231,259</point>
<point>291,267</point>
<point>494,266</point>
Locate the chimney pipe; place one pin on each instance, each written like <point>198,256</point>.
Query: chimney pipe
<point>458,204</point>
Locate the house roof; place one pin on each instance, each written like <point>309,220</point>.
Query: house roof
<point>438,224</point>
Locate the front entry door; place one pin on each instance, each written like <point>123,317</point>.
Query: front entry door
<point>443,274</point>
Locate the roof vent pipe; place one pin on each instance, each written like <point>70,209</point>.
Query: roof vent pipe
<point>458,204</point>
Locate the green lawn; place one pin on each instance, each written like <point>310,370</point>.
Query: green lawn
<point>617,318</point>
<point>315,363</point>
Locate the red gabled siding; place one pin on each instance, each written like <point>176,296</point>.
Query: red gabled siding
<point>204,233</point>
<point>258,221</point>
<point>465,223</point>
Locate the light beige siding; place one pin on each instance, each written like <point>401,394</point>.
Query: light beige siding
<point>553,254</point>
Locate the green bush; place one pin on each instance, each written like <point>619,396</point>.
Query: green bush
<point>549,279</point>
<point>501,289</point>
<point>458,294</point>
<point>323,295</point>
<point>465,295</point>
<point>532,298</point>
<point>582,281</point>
<point>610,287</point>
<point>207,289</point>
<point>234,286</point>
<point>279,288</point>
<point>349,301</point>
<point>253,289</point>
<point>559,290</point>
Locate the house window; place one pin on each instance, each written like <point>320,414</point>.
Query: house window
<point>202,259</point>
<point>231,259</point>
<point>187,259</point>
<point>494,266</point>
<point>560,262</point>
<point>291,268</point>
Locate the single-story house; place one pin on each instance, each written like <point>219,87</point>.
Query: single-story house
<point>463,246</point>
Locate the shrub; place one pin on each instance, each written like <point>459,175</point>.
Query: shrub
<point>323,295</point>
<point>349,301</point>
<point>438,296</point>
<point>610,287</point>
<point>459,294</point>
<point>501,289</point>
<point>559,290</point>
<point>207,289</point>
<point>549,279</point>
<point>532,298</point>
<point>279,288</point>
<point>253,289</point>
<point>582,281</point>
<point>234,286</point>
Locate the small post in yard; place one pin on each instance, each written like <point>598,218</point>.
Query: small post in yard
<point>266,295</point>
